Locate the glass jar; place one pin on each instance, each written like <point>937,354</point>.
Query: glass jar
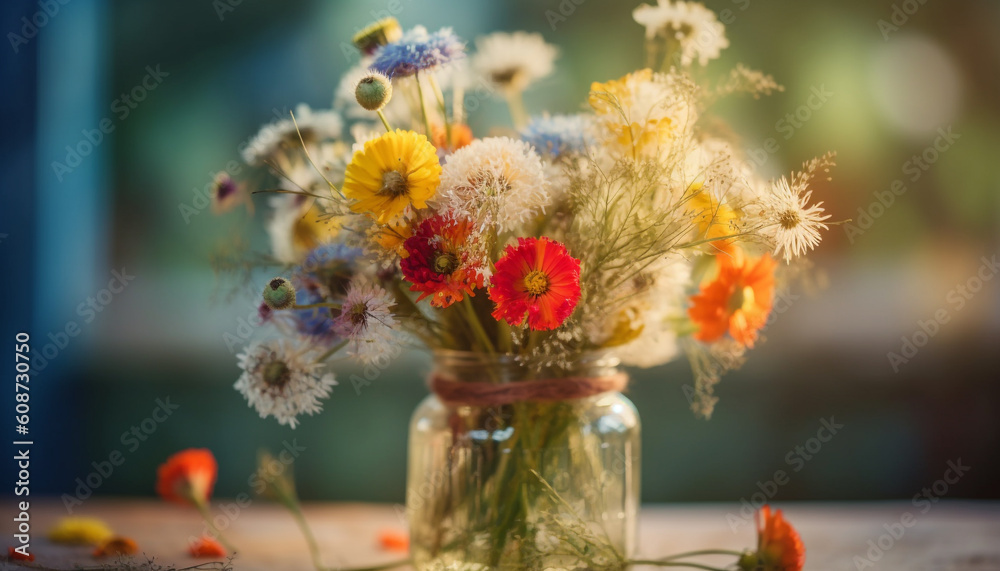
<point>529,485</point>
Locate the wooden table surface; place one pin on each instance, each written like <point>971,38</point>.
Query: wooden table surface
<point>950,536</point>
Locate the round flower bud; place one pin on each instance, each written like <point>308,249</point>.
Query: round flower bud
<point>373,91</point>
<point>279,294</point>
<point>377,34</point>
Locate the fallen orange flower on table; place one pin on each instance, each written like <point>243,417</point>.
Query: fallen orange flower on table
<point>394,540</point>
<point>188,477</point>
<point>207,546</point>
<point>117,546</point>
<point>779,547</point>
<point>15,555</point>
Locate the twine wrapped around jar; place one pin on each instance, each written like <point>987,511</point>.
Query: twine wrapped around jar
<point>486,394</point>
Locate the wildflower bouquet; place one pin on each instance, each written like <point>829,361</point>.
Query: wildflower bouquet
<point>632,230</point>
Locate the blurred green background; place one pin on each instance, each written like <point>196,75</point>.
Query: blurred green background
<point>230,67</point>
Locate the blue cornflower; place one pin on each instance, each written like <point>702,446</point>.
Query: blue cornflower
<point>323,276</point>
<point>328,254</point>
<point>315,322</point>
<point>559,134</point>
<point>418,50</point>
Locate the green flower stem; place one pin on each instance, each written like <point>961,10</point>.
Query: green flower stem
<point>444,109</point>
<point>661,563</point>
<point>702,552</point>
<point>515,102</point>
<point>385,121</point>
<point>329,352</point>
<point>296,511</point>
<point>315,305</point>
<point>477,326</point>
<point>206,514</point>
<point>305,149</point>
<point>423,106</point>
<point>381,567</point>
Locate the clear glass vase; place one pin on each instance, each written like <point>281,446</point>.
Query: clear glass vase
<point>530,485</point>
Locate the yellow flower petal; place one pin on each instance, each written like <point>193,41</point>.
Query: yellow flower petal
<point>405,152</point>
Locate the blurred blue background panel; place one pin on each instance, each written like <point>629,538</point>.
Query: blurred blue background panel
<point>17,183</point>
<point>208,78</point>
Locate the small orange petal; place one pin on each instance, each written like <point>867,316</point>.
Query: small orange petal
<point>394,540</point>
<point>117,546</point>
<point>207,546</point>
<point>15,555</point>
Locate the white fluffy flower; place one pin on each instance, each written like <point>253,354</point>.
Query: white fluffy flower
<point>278,381</point>
<point>648,112</point>
<point>654,310</point>
<point>789,220</point>
<point>512,61</point>
<point>366,321</point>
<point>281,135</point>
<point>795,224</point>
<point>496,181</point>
<point>695,27</point>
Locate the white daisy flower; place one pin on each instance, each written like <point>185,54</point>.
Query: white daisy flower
<point>513,61</point>
<point>328,163</point>
<point>286,212</point>
<point>497,181</point>
<point>279,381</point>
<point>789,220</point>
<point>695,27</point>
<point>281,136</point>
<point>366,321</point>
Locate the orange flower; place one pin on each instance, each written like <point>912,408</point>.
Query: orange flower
<point>117,546</point>
<point>187,477</point>
<point>536,277</point>
<point>461,135</point>
<point>392,236</point>
<point>779,547</point>
<point>15,555</point>
<point>738,299</point>
<point>392,540</point>
<point>207,546</point>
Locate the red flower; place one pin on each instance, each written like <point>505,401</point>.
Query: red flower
<point>440,262</point>
<point>187,477</point>
<point>536,277</point>
<point>207,546</point>
<point>15,555</point>
<point>738,299</point>
<point>117,546</point>
<point>779,547</point>
<point>392,540</point>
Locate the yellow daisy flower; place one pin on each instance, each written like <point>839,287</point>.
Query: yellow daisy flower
<point>715,219</point>
<point>391,173</point>
<point>313,228</point>
<point>80,531</point>
<point>636,110</point>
